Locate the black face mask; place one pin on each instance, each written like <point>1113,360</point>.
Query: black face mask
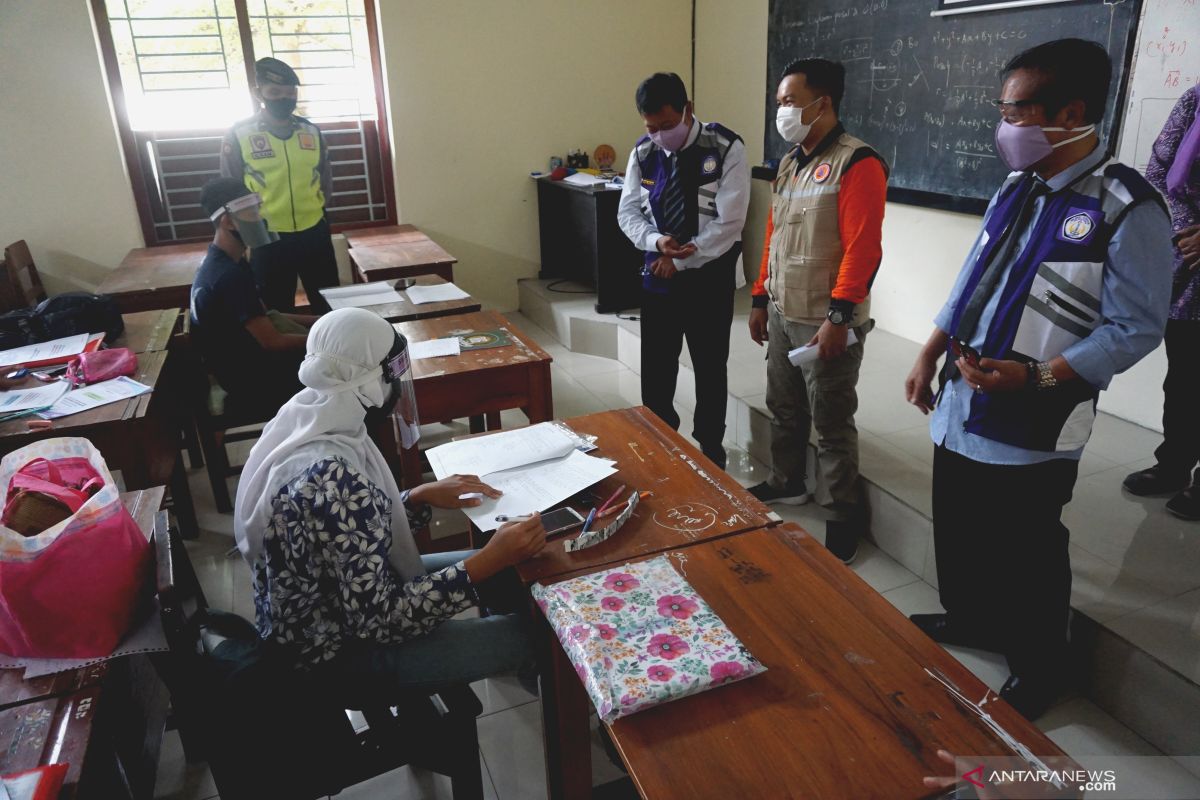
<point>282,107</point>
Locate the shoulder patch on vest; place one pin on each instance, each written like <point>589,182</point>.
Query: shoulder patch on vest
<point>822,172</point>
<point>306,141</point>
<point>1079,225</point>
<point>709,166</point>
<point>721,130</point>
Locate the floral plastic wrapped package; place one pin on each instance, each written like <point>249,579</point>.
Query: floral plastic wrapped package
<point>639,636</point>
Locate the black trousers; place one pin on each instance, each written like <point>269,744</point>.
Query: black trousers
<point>307,253</point>
<point>698,307</point>
<point>1180,450</point>
<point>1002,561</point>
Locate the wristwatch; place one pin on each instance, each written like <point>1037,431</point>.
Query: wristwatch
<point>1041,376</point>
<point>838,316</point>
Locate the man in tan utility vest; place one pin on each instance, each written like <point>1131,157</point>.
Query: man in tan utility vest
<point>822,251</point>
<point>284,159</point>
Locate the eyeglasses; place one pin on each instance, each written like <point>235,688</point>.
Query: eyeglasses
<point>1017,110</point>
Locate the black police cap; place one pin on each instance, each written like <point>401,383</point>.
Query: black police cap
<point>272,70</point>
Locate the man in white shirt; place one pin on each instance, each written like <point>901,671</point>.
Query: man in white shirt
<point>687,187</point>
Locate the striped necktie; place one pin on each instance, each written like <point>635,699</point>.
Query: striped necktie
<point>674,209</point>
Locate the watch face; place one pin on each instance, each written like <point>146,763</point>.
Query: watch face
<point>837,317</point>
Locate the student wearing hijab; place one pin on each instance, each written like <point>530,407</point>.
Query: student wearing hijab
<point>326,531</point>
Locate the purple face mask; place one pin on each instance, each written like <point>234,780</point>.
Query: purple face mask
<point>1022,146</point>
<point>673,139</point>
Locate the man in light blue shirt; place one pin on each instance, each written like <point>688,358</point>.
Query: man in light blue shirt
<point>1066,286</point>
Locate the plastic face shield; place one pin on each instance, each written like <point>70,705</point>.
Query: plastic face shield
<point>402,399</point>
<point>246,215</point>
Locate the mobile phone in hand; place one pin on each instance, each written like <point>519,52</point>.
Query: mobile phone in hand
<point>964,351</point>
<point>561,520</point>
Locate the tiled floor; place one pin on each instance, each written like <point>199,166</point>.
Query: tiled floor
<point>1145,581</point>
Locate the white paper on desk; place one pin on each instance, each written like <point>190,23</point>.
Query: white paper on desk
<point>40,396</point>
<point>537,487</point>
<point>583,179</point>
<point>439,293</point>
<point>94,396</point>
<point>433,348</point>
<point>483,455</point>
<point>810,352</point>
<point>58,348</point>
<point>361,295</point>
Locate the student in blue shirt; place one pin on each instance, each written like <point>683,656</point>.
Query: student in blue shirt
<point>1066,286</point>
<point>253,352</point>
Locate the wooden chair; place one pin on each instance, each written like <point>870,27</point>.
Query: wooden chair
<point>211,424</point>
<point>20,286</point>
<point>269,730</point>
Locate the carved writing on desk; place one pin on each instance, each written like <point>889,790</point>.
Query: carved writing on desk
<point>689,518</point>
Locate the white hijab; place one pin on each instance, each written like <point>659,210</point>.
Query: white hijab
<point>343,375</point>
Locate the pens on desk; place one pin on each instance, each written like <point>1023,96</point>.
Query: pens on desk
<point>609,512</point>
<point>590,519</point>
<point>604,506</point>
<point>512,517</point>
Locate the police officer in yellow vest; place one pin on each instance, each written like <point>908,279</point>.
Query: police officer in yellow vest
<point>284,158</point>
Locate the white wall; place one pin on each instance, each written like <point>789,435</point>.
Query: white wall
<point>65,187</point>
<point>482,94</point>
<point>923,249</point>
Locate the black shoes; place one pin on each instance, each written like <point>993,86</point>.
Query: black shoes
<point>1186,504</point>
<point>1031,697</point>
<point>943,630</point>
<point>841,539</point>
<point>1156,480</point>
<point>792,495</point>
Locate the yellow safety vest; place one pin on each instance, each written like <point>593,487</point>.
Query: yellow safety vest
<point>286,172</point>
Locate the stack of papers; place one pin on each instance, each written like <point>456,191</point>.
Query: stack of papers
<point>536,468</point>
<point>433,348</point>
<point>58,351</point>
<point>584,179</point>
<point>810,352</point>
<point>361,295</point>
<point>98,394</point>
<point>440,293</point>
<point>17,402</point>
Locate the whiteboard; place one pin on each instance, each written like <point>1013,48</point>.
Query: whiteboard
<point>1166,63</point>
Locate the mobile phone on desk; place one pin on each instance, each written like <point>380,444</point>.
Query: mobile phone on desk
<point>561,520</point>
<point>964,351</point>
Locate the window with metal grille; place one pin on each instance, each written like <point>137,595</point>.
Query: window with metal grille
<point>181,72</point>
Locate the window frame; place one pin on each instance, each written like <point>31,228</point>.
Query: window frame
<point>139,184</point>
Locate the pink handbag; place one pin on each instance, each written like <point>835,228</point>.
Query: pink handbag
<point>101,365</point>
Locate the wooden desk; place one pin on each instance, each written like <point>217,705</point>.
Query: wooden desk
<point>845,708</point>
<point>383,234</point>
<point>155,277</point>
<point>149,331</point>
<point>106,721</point>
<point>693,500</point>
<point>400,259</point>
<point>138,436</point>
<point>407,311</point>
<point>477,383</point>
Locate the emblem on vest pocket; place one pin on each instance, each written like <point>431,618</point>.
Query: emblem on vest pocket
<point>821,173</point>
<point>260,146</point>
<point>306,141</point>
<point>1078,227</point>
<point>709,166</point>
<point>647,181</point>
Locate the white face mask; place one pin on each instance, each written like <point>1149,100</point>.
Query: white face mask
<point>787,122</point>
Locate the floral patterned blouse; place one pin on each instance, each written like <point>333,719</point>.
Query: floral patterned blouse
<point>324,575</point>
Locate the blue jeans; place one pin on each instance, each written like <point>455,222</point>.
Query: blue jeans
<point>458,651</point>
